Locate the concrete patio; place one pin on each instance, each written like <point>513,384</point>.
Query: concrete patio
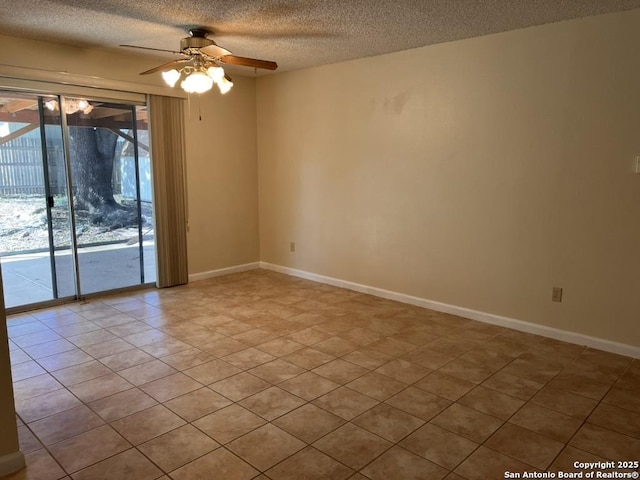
<point>27,278</point>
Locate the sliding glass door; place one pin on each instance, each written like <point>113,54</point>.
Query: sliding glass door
<point>75,197</point>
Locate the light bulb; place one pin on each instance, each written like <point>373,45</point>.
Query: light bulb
<point>225,84</point>
<point>197,82</point>
<point>217,73</point>
<point>171,77</point>
<point>52,105</point>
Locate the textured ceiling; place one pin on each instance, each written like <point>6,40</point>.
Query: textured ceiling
<point>295,33</point>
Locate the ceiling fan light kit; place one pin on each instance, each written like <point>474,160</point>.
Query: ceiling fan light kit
<point>200,69</point>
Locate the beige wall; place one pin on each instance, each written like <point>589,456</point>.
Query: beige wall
<point>221,148</point>
<point>222,178</point>
<point>9,438</point>
<point>477,173</point>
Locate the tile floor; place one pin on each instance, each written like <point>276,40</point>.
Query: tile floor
<point>261,375</point>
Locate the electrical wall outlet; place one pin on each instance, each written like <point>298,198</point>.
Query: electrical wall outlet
<point>556,294</point>
<point>292,247</point>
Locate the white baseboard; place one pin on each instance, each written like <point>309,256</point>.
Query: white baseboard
<point>528,327</point>
<point>11,463</point>
<point>223,271</point>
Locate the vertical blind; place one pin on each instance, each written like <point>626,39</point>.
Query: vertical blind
<point>166,125</point>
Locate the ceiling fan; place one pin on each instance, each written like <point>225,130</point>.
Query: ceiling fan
<point>201,63</point>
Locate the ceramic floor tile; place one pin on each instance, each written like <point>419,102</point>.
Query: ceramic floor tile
<point>165,347</point>
<point>239,386</point>
<point>95,445</point>
<point>428,358</point>
<point>446,386</point>
<point>212,371</point>
<point>80,373</point>
<point>178,447</point>
<point>388,422</point>
<point>467,370</point>
<point>617,419</point>
<point>16,355</point>
<point>582,384</point>
<point>128,328</point>
<point>64,425</point>
<point>271,403</point>
<point>376,386</point>
<point>276,371</point>
<point>122,404</point>
<point>35,408</point>
<point>24,370</point>
<point>106,349</point>
<point>415,360</point>
<point>309,336</point>
<point>419,403</point>
<point>65,359</point>
<point>28,441</point>
<point>248,358</point>
<point>309,464</point>
<point>34,387</point>
<point>309,422</point>
<point>623,398</point>
<point>280,346</point>
<point>399,463</point>
<point>186,359</point>
<point>565,462</point>
<point>255,336</point>
<point>345,403</point>
<point>485,463</point>
<point>223,347</point>
<point>229,423</point>
<point>128,464</point>
<point>221,461</point>
<point>100,387</point>
<point>546,422</point>
<point>147,424</point>
<point>170,387</point>
<point>40,466</point>
<point>352,445</point>
<point>35,338</point>
<point>265,446</point>
<point>564,402</point>
<point>605,443</point>
<point>340,371</point>
<point>511,385</point>
<point>525,445</point>
<point>404,371</point>
<point>491,402</point>
<point>335,346</point>
<point>127,359</point>
<point>308,385</point>
<point>146,372</point>
<point>469,423</point>
<point>197,404</point>
<point>439,446</point>
<point>392,347</point>
<point>308,358</point>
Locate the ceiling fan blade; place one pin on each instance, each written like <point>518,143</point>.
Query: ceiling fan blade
<point>248,62</point>
<point>166,66</point>
<point>215,51</point>
<point>154,49</point>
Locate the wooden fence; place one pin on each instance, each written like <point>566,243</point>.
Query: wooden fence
<point>22,172</point>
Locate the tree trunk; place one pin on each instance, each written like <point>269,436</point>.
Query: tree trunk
<point>93,153</point>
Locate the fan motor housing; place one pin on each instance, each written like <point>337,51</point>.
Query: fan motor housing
<point>195,42</point>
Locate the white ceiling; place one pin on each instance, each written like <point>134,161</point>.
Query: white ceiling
<point>295,33</point>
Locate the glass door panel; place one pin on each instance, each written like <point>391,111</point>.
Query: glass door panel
<point>34,217</point>
<point>111,220</point>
